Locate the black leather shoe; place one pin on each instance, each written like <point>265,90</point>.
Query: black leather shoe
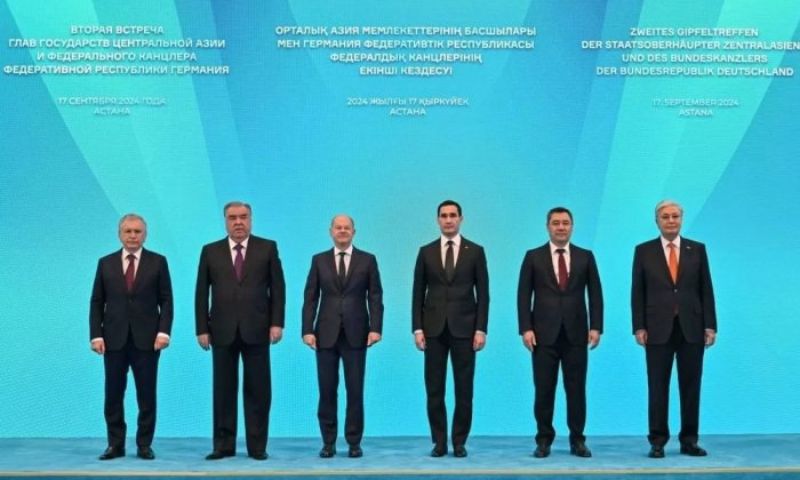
<point>259,456</point>
<point>328,450</point>
<point>112,453</point>
<point>355,451</point>
<point>693,450</point>
<point>656,452</point>
<point>219,454</point>
<point>542,451</point>
<point>145,453</point>
<point>579,449</point>
<point>439,451</point>
<point>459,451</point>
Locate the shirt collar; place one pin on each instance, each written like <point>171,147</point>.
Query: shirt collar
<point>232,243</point>
<point>554,247</point>
<point>348,251</point>
<point>137,254</point>
<point>456,240</point>
<point>665,242</point>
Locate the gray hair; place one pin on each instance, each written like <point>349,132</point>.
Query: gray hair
<point>131,216</point>
<point>352,222</point>
<point>668,203</point>
<point>236,203</point>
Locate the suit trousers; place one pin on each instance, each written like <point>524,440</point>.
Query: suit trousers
<point>463,360</point>
<point>660,358</point>
<point>573,360</point>
<point>354,361</point>
<point>257,395</point>
<point>144,364</point>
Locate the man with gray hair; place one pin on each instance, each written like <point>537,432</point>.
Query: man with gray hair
<point>130,319</point>
<point>342,316</point>
<point>674,319</point>
<point>244,277</point>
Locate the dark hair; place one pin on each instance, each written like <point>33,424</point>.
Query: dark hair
<point>236,203</point>
<point>558,210</point>
<point>448,203</point>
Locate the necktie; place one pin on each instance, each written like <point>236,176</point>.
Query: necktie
<point>562,269</point>
<point>449,262</point>
<point>130,272</point>
<point>238,262</point>
<point>673,262</point>
<point>342,269</point>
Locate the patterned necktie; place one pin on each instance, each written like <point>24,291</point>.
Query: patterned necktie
<point>342,268</point>
<point>673,262</point>
<point>562,269</point>
<point>130,272</point>
<point>238,263</point>
<point>449,262</point>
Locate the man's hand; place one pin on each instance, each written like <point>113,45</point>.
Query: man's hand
<point>641,337</point>
<point>478,341</point>
<point>204,340</point>
<point>419,340</point>
<point>98,346</point>
<point>529,339</point>
<point>711,337</point>
<point>310,340</point>
<point>594,339</point>
<point>162,342</point>
<point>373,338</point>
<point>275,334</point>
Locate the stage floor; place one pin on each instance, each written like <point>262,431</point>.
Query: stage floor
<point>730,456</point>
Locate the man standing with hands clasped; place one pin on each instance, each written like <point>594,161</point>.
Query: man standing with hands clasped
<point>130,319</point>
<point>450,314</point>
<point>343,294</point>
<point>557,330</point>
<point>674,319</point>
<point>244,275</point>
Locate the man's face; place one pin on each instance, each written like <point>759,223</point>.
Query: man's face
<point>238,223</point>
<point>560,228</point>
<point>342,231</point>
<point>669,220</point>
<point>132,234</point>
<point>449,220</point>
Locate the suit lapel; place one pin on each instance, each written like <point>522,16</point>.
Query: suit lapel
<point>547,261</point>
<point>144,265</point>
<point>687,254</point>
<point>354,260</point>
<point>435,255</point>
<point>661,258</point>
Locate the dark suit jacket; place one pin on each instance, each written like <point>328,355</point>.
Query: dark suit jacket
<point>654,295</point>
<point>253,304</point>
<point>463,303</point>
<point>145,311</point>
<point>356,306</point>
<point>553,308</point>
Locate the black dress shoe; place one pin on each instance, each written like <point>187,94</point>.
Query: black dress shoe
<point>355,451</point>
<point>656,452</point>
<point>112,453</point>
<point>439,451</point>
<point>145,453</point>
<point>459,451</point>
<point>219,454</point>
<point>328,450</point>
<point>542,451</point>
<point>579,449</point>
<point>693,450</point>
<point>259,456</point>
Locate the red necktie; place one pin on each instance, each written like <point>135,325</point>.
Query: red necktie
<point>130,272</point>
<point>562,269</point>
<point>238,262</point>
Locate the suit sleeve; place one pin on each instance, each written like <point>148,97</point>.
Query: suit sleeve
<point>375,298</point>
<point>201,313</point>
<point>595,296</point>
<point>482,292</point>
<point>277,290</point>
<point>524,292</point>
<point>418,292</point>
<point>638,295</point>
<point>310,298</point>
<point>165,305</point>
<point>97,304</point>
<point>707,294</point>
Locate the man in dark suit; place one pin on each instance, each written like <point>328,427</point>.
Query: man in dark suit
<point>674,318</point>
<point>130,319</point>
<point>246,315</point>
<point>345,285</point>
<point>450,315</point>
<point>560,275</point>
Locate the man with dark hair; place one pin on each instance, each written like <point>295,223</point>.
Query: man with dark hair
<point>130,319</point>
<point>245,278</point>
<point>674,319</point>
<point>556,328</point>
<point>450,314</point>
<point>345,284</point>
